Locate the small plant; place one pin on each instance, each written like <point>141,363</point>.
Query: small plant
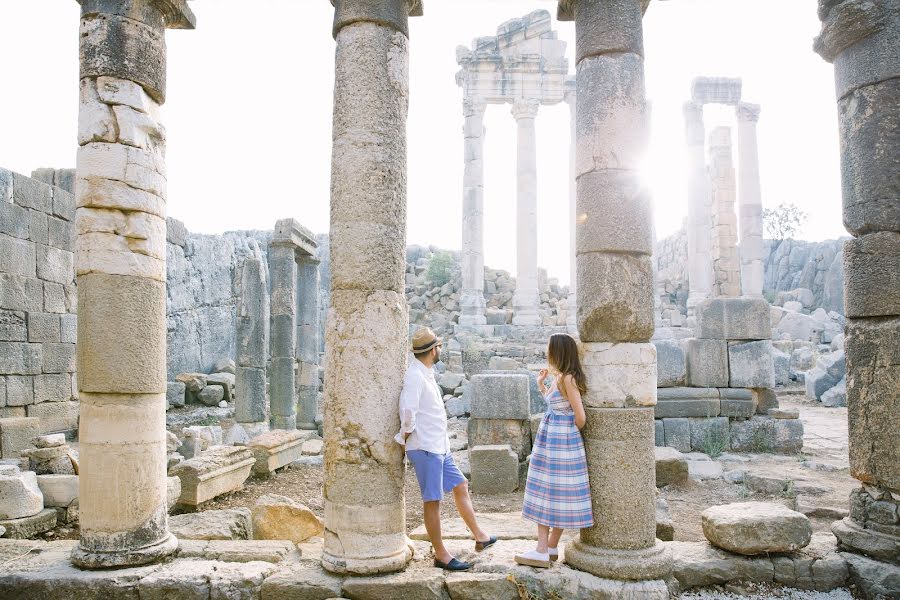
<point>714,442</point>
<point>440,269</point>
<point>743,492</point>
<point>760,442</point>
<point>784,221</point>
<point>788,491</point>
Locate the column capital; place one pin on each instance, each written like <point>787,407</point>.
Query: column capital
<point>474,107</point>
<point>170,14</point>
<point>565,9</point>
<point>747,112</point>
<point>525,108</point>
<point>390,13</point>
<point>846,23</point>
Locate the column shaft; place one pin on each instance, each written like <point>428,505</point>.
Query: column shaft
<point>307,342</point>
<point>725,259</point>
<point>366,336</point>
<point>252,333</point>
<point>282,390</point>
<point>120,262</point>
<point>526,298</point>
<point>472,297</point>
<point>749,202</point>
<point>699,205</point>
<point>571,320</point>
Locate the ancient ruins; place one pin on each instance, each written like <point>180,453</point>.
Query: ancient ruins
<point>160,390</point>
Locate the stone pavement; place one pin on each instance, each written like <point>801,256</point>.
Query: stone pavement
<point>825,434</point>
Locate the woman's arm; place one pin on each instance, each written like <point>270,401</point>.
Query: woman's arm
<point>573,395</point>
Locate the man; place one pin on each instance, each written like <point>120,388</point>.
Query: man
<point>423,430</point>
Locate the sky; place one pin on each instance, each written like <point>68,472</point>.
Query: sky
<point>248,113</point>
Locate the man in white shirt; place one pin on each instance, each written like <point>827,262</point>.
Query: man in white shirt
<point>423,430</point>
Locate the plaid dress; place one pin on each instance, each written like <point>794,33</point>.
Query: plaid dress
<point>557,492</point>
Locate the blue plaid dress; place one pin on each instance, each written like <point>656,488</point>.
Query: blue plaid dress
<point>557,492</point>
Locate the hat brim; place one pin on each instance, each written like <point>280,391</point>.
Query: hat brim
<point>435,342</point>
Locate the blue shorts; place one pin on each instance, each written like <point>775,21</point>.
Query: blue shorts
<point>437,474</point>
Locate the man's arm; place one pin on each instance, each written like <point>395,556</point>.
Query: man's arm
<point>409,404</point>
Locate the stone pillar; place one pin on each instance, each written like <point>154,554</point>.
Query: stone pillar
<point>699,209</point>
<point>471,300</point>
<point>572,321</point>
<point>749,202</point>
<point>615,298</point>
<point>526,298</point>
<point>861,40</point>
<point>120,261</point>
<point>252,333</point>
<point>307,342</point>
<point>366,336</point>
<point>725,260</point>
<point>282,391</point>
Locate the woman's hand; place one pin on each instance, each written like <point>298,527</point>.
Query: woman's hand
<point>542,376</point>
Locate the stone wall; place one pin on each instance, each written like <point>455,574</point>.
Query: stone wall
<point>37,302</point>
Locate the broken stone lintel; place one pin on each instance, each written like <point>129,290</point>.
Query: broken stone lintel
<point>176,14</point>
<point>390,13</point>
<point>288,232</point>
<point>565,10</point>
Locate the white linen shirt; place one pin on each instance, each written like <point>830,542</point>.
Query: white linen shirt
<point>422,412</point>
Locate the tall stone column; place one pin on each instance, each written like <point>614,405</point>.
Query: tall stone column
<point>861,40</point>
<point>572,321</point>
<point>750,210</point>
<point>615,297</point>
<point>282,391</point>
<point>699,209</point>
<point>307,342</point>
<point>366,336</point>
<point>725,260</point>
<point>526,298</point>
<point>120,261</point>
<point>252,333</point>
<point>471,301</point>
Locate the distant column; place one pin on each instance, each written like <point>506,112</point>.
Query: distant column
<point>572,320</point>
<point>726,263</point>
<point>749,202</point>
<point>471,300</point>
<point>283,270</point>
<point>526,298</point>
<point>699,207</point>
<point>252,333</point>
<point>307,342</point>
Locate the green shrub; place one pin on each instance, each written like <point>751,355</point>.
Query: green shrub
<point>714,442</point>
<point>440,269</point>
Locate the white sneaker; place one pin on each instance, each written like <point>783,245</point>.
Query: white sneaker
<point>533,558</point>
<point>554,554</point>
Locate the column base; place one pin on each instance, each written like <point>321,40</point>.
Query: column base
<point>368,566</point>
<point>255,428</point>
<point>84,559</point>
<point>283,422</point>
<point>633,565</point>
<point>854,538</point>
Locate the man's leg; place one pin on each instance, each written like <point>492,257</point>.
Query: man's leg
<point>467,511</point>
<point>433,527</point>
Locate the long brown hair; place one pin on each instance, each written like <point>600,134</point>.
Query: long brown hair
<point>562,354</point>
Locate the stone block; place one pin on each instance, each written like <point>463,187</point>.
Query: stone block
<point>43,327</point>
<point>28,527</point>
<point>211,395</point>
<point>280,518</point>
<point>659,433</point>
<point>38,229</point>
<point>671,363</point>
<point>710,435</point>
<point>50,461</point>
<point>751,528</point>
<point>750,365</point>
<point>250,395</point>
<point>17,257</point>
<point>16,434</point>
<point>61,234</point>
<point>21,293</point>
<point>619,375</point>
<point>872,275</point>
<point>52,440</point>
<point>52,388</point>
<point>55,416</point>
<point>836,395</point>
<point>175,391</point>
<point>58,490</point>
<point>15,220</point>
<point>671,467</point>
<point>229,524</point>
<point>788,436</point>
<point>20,495</point>
<point>736,403</point>
<point>622,198</point>
<point>59,358</point>
<point>54,264</point>
<point>686,402</point>
<point>615,297</point>
<point>13,326</point>
<point>56,298</point>
<point>219,470</point>
<point>224,380</point>
<point>20,358</point>
<point>756,434</point>
<point>495,469</point>
<point>294,582</point>
<point>19,390</point>
<point>734,319</point>
<point>677,433</point>
<point>276,449</point>
<point>500,396</point>
<point>765,400</point>
<point>481,586</point>
<point>491,432</point>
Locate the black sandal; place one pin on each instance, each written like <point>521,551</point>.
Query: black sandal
<point>454,565</point>
<point>479,546</point>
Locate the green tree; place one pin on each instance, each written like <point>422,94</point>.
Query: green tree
<point>441,268</point>
<point>783,221</point>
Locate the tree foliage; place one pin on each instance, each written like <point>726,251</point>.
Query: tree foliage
<point>784,221</point>
<point>441,268</point>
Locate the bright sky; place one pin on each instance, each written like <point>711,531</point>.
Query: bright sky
<point>249,113</point>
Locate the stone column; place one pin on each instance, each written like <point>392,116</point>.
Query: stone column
<point>572,321</point>
<point>699,209</point>
<point>366,336</point>
<point>120,261</point>
<point>471,301</point>
<point>307,342</point>
<point>252,333</point>
<point>861,40</point>
<point>526,298</point>
<point>725,260</point>
<point>615,298</point>
<point>749,202</point>
<point>282,399</point>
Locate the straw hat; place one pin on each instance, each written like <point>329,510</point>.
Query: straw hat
<point>424,340</point>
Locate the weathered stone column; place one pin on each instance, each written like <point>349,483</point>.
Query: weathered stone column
<point>471,300</point>
<point>120,260</point>
<point>725,260</point>
<point>699,209</point>
<point>615,297</point>
<point>252,333</point>
<point>283,271</point>
<point>572,320</point>
<point>366,336</point>
<point>307,342</point>
<point>750,210</point>
<point>861,40</point>
<point>526,298</point>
